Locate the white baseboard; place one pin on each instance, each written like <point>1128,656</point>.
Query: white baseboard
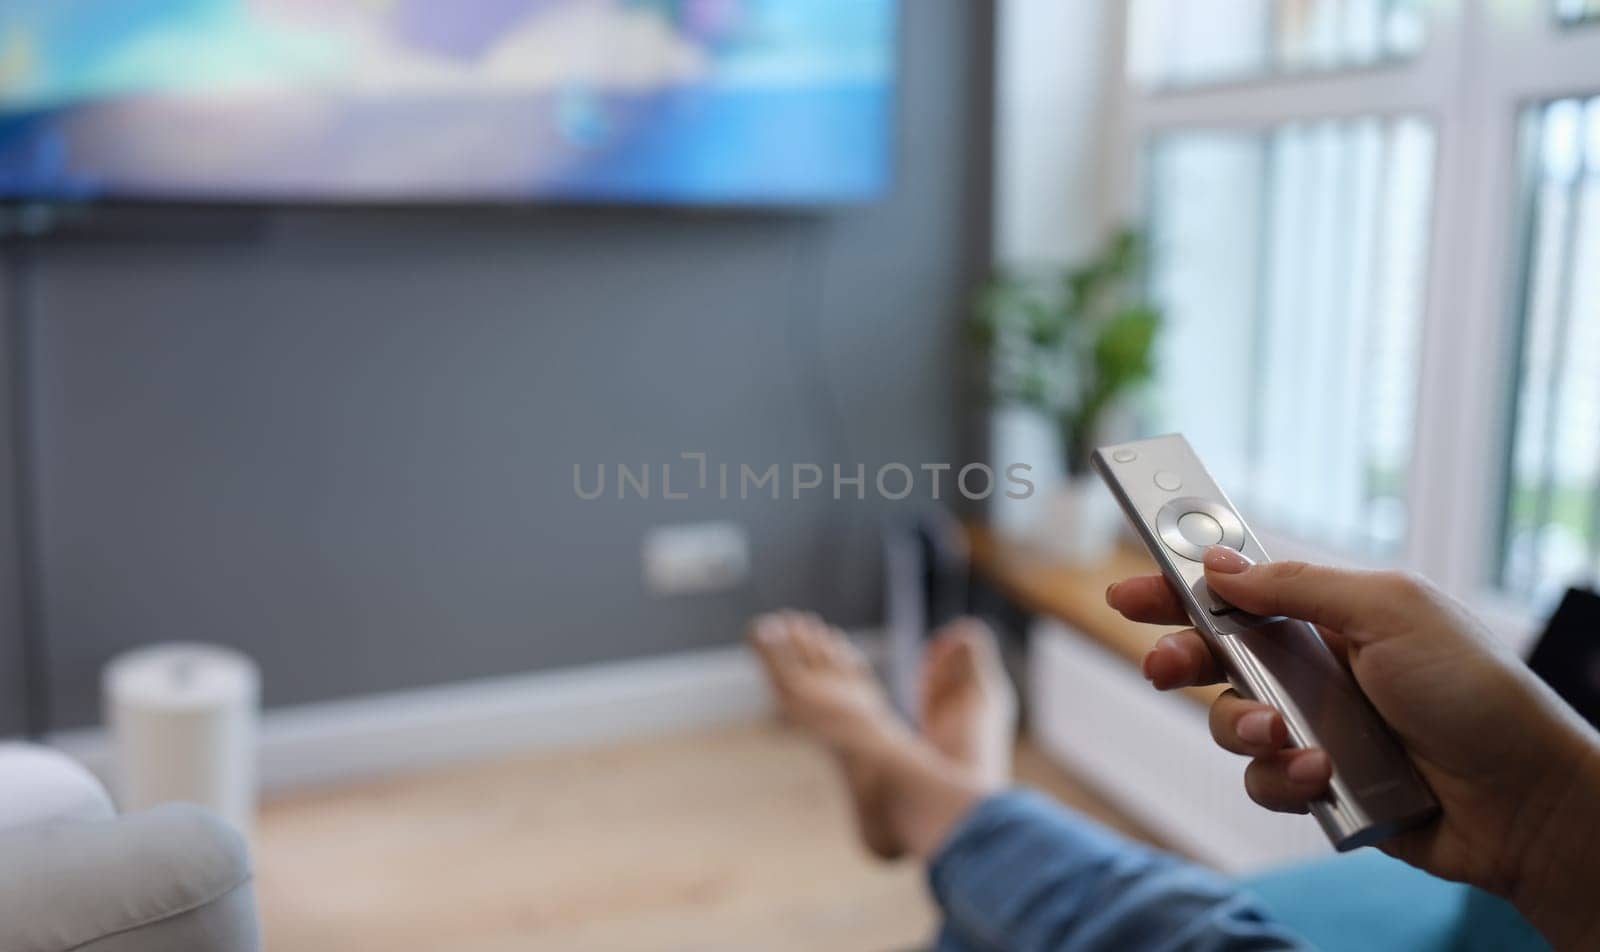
<point>411,730</point>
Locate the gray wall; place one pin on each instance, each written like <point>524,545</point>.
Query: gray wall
<point>13,662</point>
<point>345,444</point>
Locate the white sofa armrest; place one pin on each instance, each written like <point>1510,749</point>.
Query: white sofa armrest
<point>39,785</point>
<point>163,880</point>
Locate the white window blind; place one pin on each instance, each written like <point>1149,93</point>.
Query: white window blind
<point>1290,264</point>
<point>1552,517</point>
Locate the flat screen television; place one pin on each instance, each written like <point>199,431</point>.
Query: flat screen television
<point>706,102</point>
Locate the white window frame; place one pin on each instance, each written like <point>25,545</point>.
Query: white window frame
<point>1482,65</point>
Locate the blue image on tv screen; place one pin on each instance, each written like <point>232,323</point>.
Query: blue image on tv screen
<point>668,101</point>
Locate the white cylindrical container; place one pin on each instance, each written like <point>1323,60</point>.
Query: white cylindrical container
<point>184,721</point>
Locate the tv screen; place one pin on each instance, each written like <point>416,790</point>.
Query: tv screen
<point>384,101</point>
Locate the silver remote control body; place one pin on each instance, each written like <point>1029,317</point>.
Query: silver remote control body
<point>1179,512</point>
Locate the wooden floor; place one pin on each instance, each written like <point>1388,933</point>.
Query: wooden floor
<point>735,839</point>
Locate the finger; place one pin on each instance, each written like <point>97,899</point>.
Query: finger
<point>1287,782</point>
<point>1336,642</point>
<point>1247,727</point>
<point>1181,660</point>
<point>1361,605</point>
<point>1148,599</point>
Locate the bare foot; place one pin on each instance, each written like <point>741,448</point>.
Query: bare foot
<point>909,792</point>
<point>969,710</point>
<point>826,687</point>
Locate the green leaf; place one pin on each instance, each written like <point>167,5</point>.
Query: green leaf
<point>1126,252</point>
<point>1073,343</point>
<point>1004,305</point>
<point>1123,350</point>
<point>1033,390</point>
<point>1046,324</point>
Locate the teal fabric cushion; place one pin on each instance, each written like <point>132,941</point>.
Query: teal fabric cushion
<point>1368,902</point>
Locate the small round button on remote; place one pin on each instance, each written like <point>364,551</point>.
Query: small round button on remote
<point>1189,525</point>
<point>1169,481</point>
<point>1124,456</point>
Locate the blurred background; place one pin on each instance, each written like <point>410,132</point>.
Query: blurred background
<point>321,321</point>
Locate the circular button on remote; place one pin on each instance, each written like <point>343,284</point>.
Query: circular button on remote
<point>1169,481</point>
<point>1199,528</point>
<point>1189,525</point>
<point>1124,456</point>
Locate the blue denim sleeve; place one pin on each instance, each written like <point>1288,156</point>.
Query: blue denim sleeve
<point>1021,873</point>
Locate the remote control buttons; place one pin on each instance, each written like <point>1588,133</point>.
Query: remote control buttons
<point>1199,528</point>
<point>1169,481</point>
<point>1124,456</point>
<point>1188,525</point>
<point>1213,603</point>
<point>1225,618</point>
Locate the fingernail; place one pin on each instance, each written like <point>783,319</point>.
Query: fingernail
<point>1256,727</point>
<point>1220,558</point>
<point>1111,589</point>
<point>1309,767</point>
<point>1164,645</point>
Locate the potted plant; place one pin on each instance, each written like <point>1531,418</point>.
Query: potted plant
<point>1066,348</point>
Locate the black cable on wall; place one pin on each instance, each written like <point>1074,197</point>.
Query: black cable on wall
<point>20,323</point>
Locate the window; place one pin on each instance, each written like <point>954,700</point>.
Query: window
<point>1376,233</point>
<point>1296,256</point>
<point>1290,218</point>
<point>1571,12</point>
<point>1191,42</point>
<point>1552,519</point>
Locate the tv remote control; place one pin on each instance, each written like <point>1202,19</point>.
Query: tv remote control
<point>1179,512</point>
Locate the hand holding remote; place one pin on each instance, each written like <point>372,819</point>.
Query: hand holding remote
<point>1515,770</point>
<point>1372,789</point>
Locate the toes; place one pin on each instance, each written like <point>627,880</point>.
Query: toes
<point>940,672</point>
<point>802,628</point>
<point>814,643</point>
<point>936,662</point>
<point>978,637</point>
<point>968,631</point>
<point>964,665</point>
<point>843,653</point>
<point>961,650</point>
<point>964,657</point>
<point>769,635</point>
<point>793,644</point>
<point>965,625</point>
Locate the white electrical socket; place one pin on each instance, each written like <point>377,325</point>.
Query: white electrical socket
<point>697,557</point>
